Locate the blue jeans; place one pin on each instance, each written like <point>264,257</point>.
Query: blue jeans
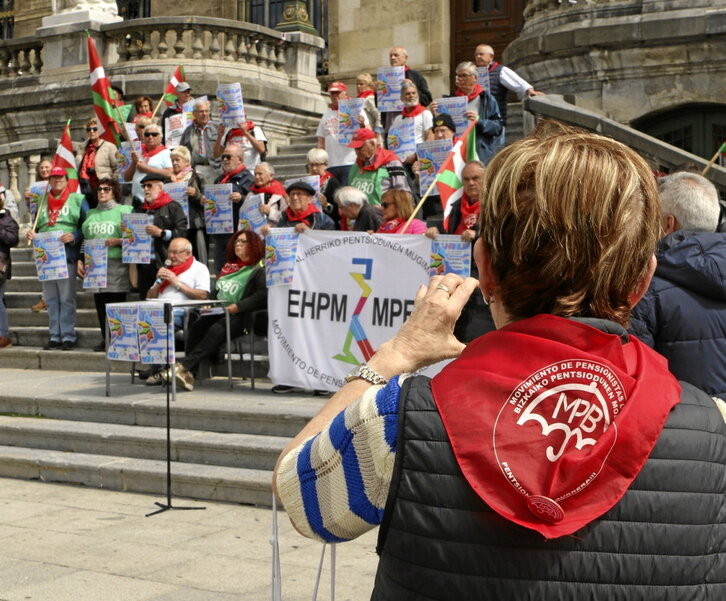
<point>4,331</point>
<point>60,296</point>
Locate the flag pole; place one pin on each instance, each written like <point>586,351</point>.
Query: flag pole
<point>721,149</point>
<point>420,204</point>
<point>158,104</point>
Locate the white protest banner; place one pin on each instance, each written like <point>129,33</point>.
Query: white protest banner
<point>135,242</point>
<point>178,192</point>
<point>174,127</point>
<point>131,131</point>
<point>250,216</point>
<point>37,191</point>
<point>350,293</point>
<point>188,107</point>
<point>123,343</point>
<point>156,338</point>
<point>218,209</point>
<point>450,254</point>
<point>230,103</point>
<point>349,109</point>
<point>482,77</point>
<point>95,262</point>
<point>388,89</point>
<point>402,138</point>
<point>123,159</point>
<point>50,256</point>
<point>431,155</point>
<point>280,251</point>
<point>455,107</point>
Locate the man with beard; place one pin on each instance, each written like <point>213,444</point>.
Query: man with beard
<point>423,120</point>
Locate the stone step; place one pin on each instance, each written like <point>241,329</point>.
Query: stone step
<point>86,337</point>
<point>211,408</point>
<point>143,442</point>
<point>25,300</point>
<point>31,284</point>
<point>35,358</point>
<point>20,318</point>
<point>207,482</point>
<point>301,148</point>
<point>23,268</point>
<point>284,162</point>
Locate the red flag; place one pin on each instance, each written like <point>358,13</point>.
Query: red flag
<point>65,159</point>
<point>101,93</point>
<point>170,96</point>
<point>448,179</point>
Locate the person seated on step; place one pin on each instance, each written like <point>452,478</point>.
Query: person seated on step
<point>184,279</point>
<point>241,285</point>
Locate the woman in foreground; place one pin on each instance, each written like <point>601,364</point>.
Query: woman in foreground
<point>555,458</point>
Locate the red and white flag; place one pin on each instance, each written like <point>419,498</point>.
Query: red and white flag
<point>448,179</point>
<point>65,159</point>
<point>170,96</point>
<point>101,92</point>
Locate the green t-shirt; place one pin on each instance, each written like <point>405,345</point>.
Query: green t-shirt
<point>68,217</point>
<point>231,287</point>
<point>368,182</point>
<point>106,223</point>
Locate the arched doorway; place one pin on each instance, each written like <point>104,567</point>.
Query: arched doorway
<point>699,128</point>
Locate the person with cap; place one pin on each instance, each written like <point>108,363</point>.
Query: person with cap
<point>247,135</point>
<point>340,157</point>
<point>168,222</point>
<point>302,213</point>
<point>183,96</point>
<point>155,160</point>
<point>502,80</point>
<point>200,138</point>
<point>480,108</point>
<point>64,211</point>
<point>376,169</point>
<point>234,172</point>
<point>554,458</point>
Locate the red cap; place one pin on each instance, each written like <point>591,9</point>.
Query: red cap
<point>361,136</point>
<point>58,172</point>
<point>337,86</point>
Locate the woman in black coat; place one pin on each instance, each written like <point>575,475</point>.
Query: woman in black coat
<point>8,239</point>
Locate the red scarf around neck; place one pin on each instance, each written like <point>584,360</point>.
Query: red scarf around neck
<point>160,201</point>
<point>226,177</point>
<point>379,159</point>
<point>56,204</point>
<point>493,65</point>
<point>273,187</point>
<point>366,93</point>
<point>176,270</point>
<point>147,154</point>
<point>392,226</point>
<point>233,267</point>
<point>469,215</point>
<point>474,93</point>
<point>409,112</point>
<point>302,217</point>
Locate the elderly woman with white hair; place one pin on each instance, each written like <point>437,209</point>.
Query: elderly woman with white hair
<point>273,191</point>
<point>181,160</point>
<point>356,214</point>
<point>329,184</point>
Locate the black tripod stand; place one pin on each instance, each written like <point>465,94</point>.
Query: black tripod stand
<point>170,391</point>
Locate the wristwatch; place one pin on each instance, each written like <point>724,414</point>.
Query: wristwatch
<point>363,372</point>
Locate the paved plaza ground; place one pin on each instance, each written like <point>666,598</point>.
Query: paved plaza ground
<point>68,543</point>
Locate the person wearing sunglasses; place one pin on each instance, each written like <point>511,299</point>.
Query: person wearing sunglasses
<point>155,159</point>
<point>95,160</point>
<point>397,207</point>
<point>104,222</point>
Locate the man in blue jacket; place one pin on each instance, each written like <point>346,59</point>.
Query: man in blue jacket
<point>683,314</point>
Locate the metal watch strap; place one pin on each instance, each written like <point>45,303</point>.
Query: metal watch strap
<point>363,372</point>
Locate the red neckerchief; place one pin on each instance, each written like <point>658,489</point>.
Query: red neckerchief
<point>176,270</point>
<point>89,162</point>
<point>469,215</point>
<point>302,217</point>
<point>226,177</point>
<point>492,65</point>
<point>392,226</point>
<point>474,93</point>
<point>160,201</point>
<point>274,187</point>
<point>233,267</point>
<point>366,93</point>
<point>409,112</point>
<point>147,154</point>
<point>324,178</point>
<point>138,116</point>
<point>381,157</point>
<point>551,419</point>
<point>56,204</point>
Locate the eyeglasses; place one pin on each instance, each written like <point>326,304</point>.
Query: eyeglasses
<point>385,205</point>
<point>463,75</point>
<point>240,242</point>
<point>177,252</point>
<point>151,134</point>
<point>90,129</point>
<point>104,188</point>
<point>149,185</point>
<point>227,157</point>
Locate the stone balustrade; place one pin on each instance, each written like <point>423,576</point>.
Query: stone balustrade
<point>20,57</point>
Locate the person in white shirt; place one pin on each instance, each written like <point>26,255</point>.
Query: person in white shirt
<point>423,119</point>
<point>185,279</point>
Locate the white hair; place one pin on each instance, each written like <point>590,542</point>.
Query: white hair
<point>268,166</point>
<point>317,156</point>
<point>466,66</point>
<point>691,199</point>
<point>350,195</point>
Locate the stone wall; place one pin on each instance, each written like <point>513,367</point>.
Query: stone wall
<point>28,15</point>
<point>362,32</point>
<point>625,59</point>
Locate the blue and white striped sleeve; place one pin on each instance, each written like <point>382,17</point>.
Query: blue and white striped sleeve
<point>335,485</point>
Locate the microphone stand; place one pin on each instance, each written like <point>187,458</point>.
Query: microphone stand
<point>170,390</point>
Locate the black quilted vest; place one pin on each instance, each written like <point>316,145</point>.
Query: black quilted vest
<point>664,541</point>
<point>498,91</point>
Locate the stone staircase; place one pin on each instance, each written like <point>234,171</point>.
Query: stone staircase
<point>291,160</point>
<point>60,427</point>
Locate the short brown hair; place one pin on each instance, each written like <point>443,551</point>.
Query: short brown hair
<point>403,201</point>
<point>570,220</point>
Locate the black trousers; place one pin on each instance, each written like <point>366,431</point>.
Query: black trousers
<point>101,299</point>
<point>207,335</point>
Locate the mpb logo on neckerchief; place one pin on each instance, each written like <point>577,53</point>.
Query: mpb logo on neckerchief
<point>563,408</point>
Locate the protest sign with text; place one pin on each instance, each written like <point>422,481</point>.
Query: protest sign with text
<point>349,109</point>
<point>450,254</point>
<point>174,127</point>
<point>230,103</point>
<point>455,107</point>
<point>95,262</point>
<point>482,77</point>
<point>388,89</point>
<point>50,256</point>
<point>123,342</point>
<point>135,242</point>
<point>218,209</point>
<point>402,138</point>
<point>280,250</point>
<point>156,337</point>
<point>178,192</point>
<point>250,216</point>
<point>431,155</point>
<point>37,191</point>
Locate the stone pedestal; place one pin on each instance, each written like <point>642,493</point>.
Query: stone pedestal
<point>80,16</point>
